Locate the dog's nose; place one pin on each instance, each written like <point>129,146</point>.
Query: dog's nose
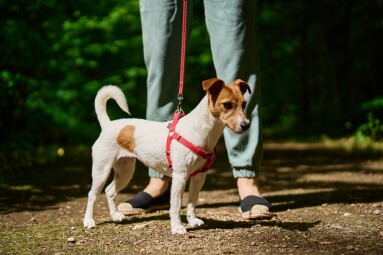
<point>245,125</point>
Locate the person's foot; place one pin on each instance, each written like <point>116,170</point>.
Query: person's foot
<point>252,205</point>
<point>156,196</point>
<point>255,208</point>
<point>143,202</point>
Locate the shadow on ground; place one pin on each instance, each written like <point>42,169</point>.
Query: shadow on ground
<point>315,169</point>
<point>220,224</point>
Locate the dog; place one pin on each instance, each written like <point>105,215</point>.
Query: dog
<point>123,141</point>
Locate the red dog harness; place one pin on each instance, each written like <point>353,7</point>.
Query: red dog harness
<point>209,157</point>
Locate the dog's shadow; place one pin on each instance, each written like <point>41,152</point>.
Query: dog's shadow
<point>132,220</point>
<point>228,224</point>
<point>219,224</point>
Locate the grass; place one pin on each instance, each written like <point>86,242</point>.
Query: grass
<point>36,239</point>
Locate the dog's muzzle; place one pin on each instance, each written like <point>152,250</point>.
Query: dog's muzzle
<point>245,125</point>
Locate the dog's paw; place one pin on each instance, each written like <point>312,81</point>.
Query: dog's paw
<point>117,216</point>
<point>89,223</point>
<point>179,229</point>
<point>195,222</point>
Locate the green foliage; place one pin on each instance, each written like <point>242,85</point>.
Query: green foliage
<point>319,62</point>
<point>370,131</point>
<point>56,56</point>
<point>374,104</point>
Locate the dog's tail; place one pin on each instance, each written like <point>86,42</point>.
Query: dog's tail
<point>103,95</point>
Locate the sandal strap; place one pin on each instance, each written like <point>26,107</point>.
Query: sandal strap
<point>248,202</point>
<point>163,199</point>
<point>143,200</point>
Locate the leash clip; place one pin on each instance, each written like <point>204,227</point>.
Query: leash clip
<point>179,107</point>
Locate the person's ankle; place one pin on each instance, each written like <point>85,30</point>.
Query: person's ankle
<point>157,187</point>
<point>248,187</point>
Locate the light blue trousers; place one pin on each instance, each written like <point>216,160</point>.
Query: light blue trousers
<point>232,30</point>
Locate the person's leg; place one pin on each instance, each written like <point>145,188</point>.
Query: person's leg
<point>161,32</point>
<point>161,22</point>
<point>157,185</point>
<point>232,29</point>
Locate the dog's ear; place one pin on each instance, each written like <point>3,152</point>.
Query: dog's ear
<point>213,85</point>
<point>243,86</point>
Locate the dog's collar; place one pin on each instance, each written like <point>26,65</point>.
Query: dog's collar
<point>209,157</point>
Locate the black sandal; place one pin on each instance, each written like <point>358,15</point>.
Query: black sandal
<point>255,208</point>
<point>143,202</point>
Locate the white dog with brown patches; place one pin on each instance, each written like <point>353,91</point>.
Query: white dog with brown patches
<point>123,141</point>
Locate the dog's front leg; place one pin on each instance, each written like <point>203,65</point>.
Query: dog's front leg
<point>196,183</point>
<point>177,189</point>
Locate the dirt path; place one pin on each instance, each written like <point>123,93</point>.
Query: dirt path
<point>326,202</point>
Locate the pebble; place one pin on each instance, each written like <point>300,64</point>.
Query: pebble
<point>71,239</point>
<point>336,226</point>
<point>140,226</point>
<point>346,214</point>
<point>377,212</point>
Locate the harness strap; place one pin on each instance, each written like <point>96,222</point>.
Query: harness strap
<point>197,150</point>
<point>206,166</point>
<point>172,127</point>
<point>176,117</point>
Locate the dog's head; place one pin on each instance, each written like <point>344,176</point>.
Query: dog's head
<point>227,103</point>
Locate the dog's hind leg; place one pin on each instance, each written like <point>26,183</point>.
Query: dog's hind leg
<point>196,183</point>
<point>123,172</point>
<point>100,174</point>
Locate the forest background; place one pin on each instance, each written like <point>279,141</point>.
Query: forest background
<point>321,66</point>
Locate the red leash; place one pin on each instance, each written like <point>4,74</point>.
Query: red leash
<point>183,53</point>
<point>209,157</point>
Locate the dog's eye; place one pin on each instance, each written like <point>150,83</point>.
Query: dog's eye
<point>244,105</point>
<point>228,106</point>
